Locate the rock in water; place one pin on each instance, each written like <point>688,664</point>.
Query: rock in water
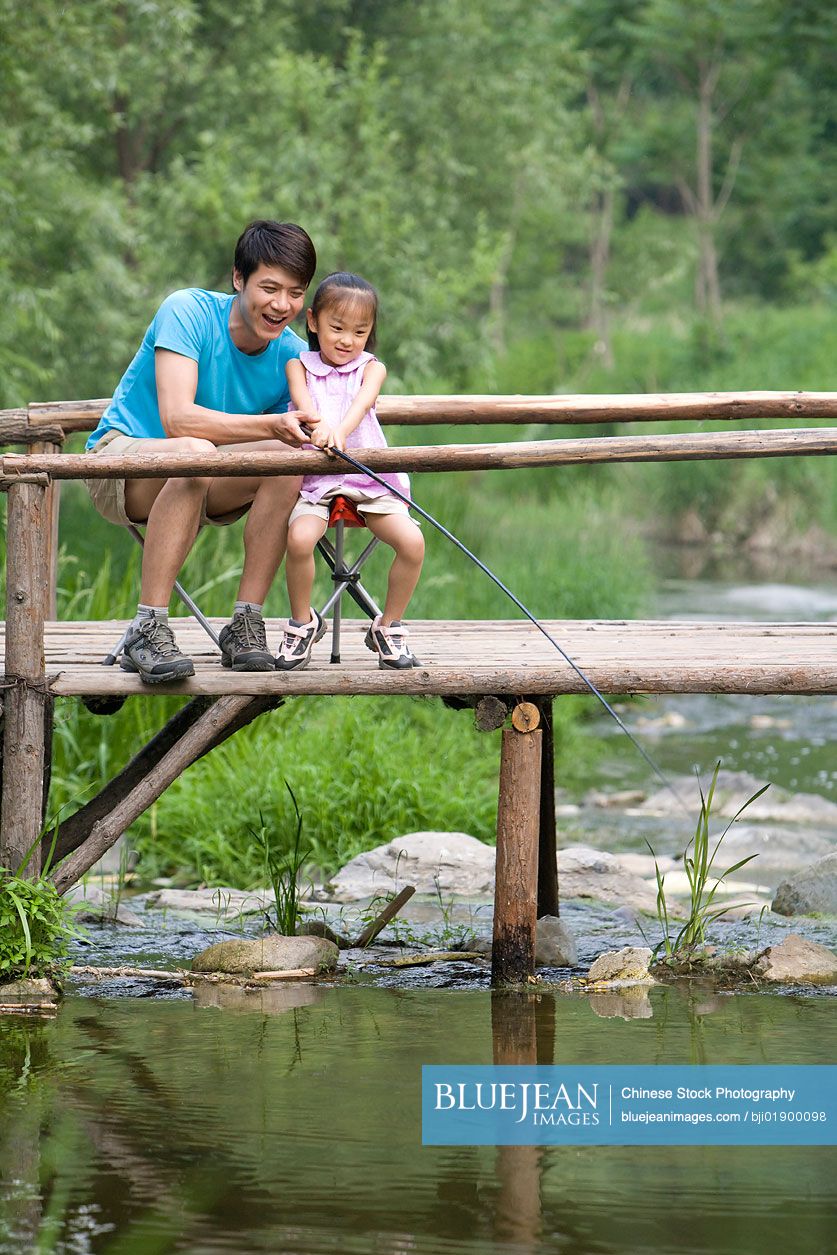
<point>812,889</point>
<point>630,963</point>
<point>273,953</point>
<point>29,992</point>
<point>554,945</point>
<point>435,862</point>
<point>797,960</point>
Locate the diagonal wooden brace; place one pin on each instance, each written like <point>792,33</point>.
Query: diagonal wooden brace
<point>106,831</point>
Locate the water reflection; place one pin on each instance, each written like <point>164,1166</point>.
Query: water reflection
<point>292,1124</point>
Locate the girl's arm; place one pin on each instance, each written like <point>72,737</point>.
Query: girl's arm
<point>300,394</point>
<point>373,380</point>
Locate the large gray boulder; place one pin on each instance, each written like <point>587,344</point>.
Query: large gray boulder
<point>443,862</point>
<point>587,873</point>
<point>814,889</point>
<point>273,953</point>
<point>797,960</point>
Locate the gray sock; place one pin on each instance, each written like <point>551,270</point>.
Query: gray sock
<point>299,623</point>
<point>253,607</point>
<point>160,613</point>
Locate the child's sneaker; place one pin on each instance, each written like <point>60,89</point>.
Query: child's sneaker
<point>151,650</point>
<point>244,643</point>
<point>390,644</point>
<point>297,643</point>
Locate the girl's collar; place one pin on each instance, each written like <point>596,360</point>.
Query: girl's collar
<point>313,362</point>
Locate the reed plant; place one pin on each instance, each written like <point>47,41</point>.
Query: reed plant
<point>704,882</point>
<point>283,863</point>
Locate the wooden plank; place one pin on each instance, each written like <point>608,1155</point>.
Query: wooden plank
<point>513,656</point>
<point>725,445</point>
<point>635,408</point>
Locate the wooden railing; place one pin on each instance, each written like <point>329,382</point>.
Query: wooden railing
<point>52,420</point>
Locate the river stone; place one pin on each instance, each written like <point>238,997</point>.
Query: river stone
<point>273,953</point>
<point>796,959</point>
<point>630,963</point>
<point>435,862</point>
<point>812,889</point>
<point>587,873</point>
<point>94,906</point>
<point>554,943</point>
<point>29,992</point>
<point>225,903</point>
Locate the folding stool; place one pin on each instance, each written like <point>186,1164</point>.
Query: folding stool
<point>346,577</point>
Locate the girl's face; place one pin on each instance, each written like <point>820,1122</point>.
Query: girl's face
<point>342,330</point>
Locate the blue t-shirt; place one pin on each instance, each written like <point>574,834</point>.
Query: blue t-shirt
<point>196,324</point>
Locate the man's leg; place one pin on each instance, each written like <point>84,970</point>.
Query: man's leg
<point>270,500</point>
<point>172,510</point>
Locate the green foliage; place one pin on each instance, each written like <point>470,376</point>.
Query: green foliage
<point>698,862</point>
<point>282,867</point>
<point>35,926</point>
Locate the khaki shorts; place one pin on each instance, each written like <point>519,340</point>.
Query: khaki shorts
<point>108,495</point>
<point>385,503</point>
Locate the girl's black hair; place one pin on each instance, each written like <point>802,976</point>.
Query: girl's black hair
<point>337,289</point>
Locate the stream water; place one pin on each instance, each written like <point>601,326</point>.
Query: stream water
<point>288,1120</point>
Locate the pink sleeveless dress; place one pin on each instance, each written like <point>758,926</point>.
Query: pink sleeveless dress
<point>333,388</point>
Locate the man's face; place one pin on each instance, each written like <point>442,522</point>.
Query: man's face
<point>269,300</point>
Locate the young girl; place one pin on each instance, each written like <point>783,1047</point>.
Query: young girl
<point>339,380</point>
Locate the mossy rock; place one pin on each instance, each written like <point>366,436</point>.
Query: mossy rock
<point>273,953</point>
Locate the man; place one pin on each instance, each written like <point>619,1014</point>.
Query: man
<point>211,372</point>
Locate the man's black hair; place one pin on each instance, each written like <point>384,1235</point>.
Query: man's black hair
<point>275,244</point>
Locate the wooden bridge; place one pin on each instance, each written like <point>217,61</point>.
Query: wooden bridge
<point>497,668</point>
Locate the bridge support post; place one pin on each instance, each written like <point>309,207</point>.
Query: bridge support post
<point>548,900</point>
<point>518,825</point>
<point>25,698</point>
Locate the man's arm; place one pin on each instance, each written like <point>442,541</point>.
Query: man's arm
<point>177,384</point>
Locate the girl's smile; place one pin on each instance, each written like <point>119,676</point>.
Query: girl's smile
<point>342,333</point>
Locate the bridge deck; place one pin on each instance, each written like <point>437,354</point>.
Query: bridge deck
<point>478,657</point>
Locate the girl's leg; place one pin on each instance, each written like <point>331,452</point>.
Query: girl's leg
<point>404,536</point>
<point>303,535</point>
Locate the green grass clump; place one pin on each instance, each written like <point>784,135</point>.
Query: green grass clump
<point>35,925</point>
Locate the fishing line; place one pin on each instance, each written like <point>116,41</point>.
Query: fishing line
<point>359,466</point>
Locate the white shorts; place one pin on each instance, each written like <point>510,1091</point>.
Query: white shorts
<point>384,503</point>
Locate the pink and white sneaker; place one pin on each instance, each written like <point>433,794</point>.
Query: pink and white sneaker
<point>297,643</point>
<point>390,644</point>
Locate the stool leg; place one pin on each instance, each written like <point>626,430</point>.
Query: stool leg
<point>339,569</point>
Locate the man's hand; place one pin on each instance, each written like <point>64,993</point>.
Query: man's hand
<point>289,427</point>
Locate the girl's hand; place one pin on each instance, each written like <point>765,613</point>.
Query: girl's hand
<point>336,440</point>
<point>311,423</point>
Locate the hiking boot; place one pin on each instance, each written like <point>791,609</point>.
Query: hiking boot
<point>297,643</point>
<point>390,644</point>
<point>244,643</point>
<point>151,650</point>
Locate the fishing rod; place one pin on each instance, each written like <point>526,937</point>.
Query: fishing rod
<point>359,466</point>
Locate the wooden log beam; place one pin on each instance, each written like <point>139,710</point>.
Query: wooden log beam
<point>704,446</point>
<point>25,686</point>
<point>516,878</point>
<point>570,408</point>
<point>107,831</point>
<point>75,830</point>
